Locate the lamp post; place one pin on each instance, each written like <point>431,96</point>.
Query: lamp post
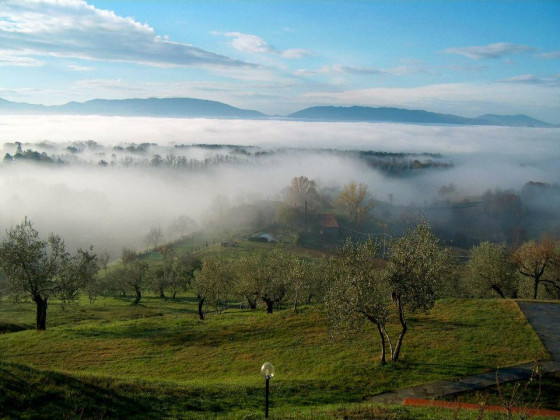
<point>267,371</point>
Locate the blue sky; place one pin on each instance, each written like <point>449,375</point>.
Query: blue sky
<point>466,58</point>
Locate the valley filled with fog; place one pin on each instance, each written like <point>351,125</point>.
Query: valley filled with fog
<point>107,181</point>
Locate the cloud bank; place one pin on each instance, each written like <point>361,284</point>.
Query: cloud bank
<point>75,29</point>
<point>254,44</point>
<point>496,50</point>
<point>115,206</point>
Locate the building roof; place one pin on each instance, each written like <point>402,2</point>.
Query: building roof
<point>328,221</point>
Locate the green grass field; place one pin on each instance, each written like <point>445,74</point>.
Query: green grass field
<point>112,359</point>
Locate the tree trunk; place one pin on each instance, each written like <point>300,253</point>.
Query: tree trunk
<point>174,295</point>
<point>388,341</point>
<point>200,304</point>
<point>536,287</point>
<point>404,327</point>
<point>41,323</point>
<point>138,295</point>
<point>162,293</point>
<point>252,303</point>
<point>498,291</point>
<point>383,360</point>
<point>269,305</point>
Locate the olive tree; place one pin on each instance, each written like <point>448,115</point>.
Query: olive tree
<point>271,273</point>
<point>133,275</point>
<point>301,276</point>
<point>416,267</point>
<point>213,283</point>
<point>357,292</point>
<point>183,273</point>
<point>491,268</point>
<point>247,285</point>
<point>263,276</point>
<point>43,269</point>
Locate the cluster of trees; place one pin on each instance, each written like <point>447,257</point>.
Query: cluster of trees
<point>364,288</point>
<point>29,154</point>
<point>356,285</point>
<point>268,277</point>
<point>302,203</point>
<point>400,163</point>
<point>136,276</point>
<point>500,269</point>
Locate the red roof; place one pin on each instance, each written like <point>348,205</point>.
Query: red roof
<point>328,221</point>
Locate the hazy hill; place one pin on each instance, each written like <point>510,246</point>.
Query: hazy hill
<point>192,108</point>
<point>519,120</point>
<point>398,115</point>
<point>152,107</point>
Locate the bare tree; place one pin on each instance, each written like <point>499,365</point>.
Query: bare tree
<point>128,255</point>
<point>533,258</point>
<point>181,226</point>
<point>154,236</point>
<point>104,260</point>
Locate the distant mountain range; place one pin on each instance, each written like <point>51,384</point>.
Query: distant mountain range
<point>199,108</point>
<point>152,107</point>
<point>362,113</point>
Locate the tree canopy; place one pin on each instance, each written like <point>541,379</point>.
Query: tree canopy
<point>43,269</point>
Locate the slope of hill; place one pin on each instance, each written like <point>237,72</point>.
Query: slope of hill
<point>399,115</point>
<point>519,120</point>
<point>152,107</point>
<point>193,108</point>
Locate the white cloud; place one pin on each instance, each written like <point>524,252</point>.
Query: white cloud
<point>337,69</point>
<point>9,59</point>
<point>100,85</point>
<point>550,55</point>
<point>254,44</point>
<point>76,67</point>
<point>531,79</point>
<point>496,50</point>
<point>73,28</point>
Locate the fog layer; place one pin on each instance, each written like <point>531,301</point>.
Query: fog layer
<point>115,205</point>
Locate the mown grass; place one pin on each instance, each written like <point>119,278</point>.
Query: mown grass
<point>157,360</point>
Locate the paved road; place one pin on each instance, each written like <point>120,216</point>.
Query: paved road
<point>543,317</point>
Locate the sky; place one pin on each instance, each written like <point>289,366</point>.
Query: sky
<point>461,57</point>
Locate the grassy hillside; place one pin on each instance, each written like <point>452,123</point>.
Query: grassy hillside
<point>113,359</point>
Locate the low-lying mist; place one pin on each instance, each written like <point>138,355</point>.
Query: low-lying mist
<point>139,173</point>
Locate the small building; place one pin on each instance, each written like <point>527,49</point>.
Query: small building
<point>263,237</point>
<point>329,226</point>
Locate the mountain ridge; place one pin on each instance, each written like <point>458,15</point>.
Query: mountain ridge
<point>201,108</point>
<point>150,107</point>
<point>392,114</point>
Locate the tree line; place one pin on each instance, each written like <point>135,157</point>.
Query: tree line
<point>355,284</point>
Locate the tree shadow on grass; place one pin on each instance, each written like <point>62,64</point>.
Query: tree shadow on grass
<point>30,393</point>
<point>6,327</point>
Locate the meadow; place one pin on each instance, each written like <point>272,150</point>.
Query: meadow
<point>112,359</point>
